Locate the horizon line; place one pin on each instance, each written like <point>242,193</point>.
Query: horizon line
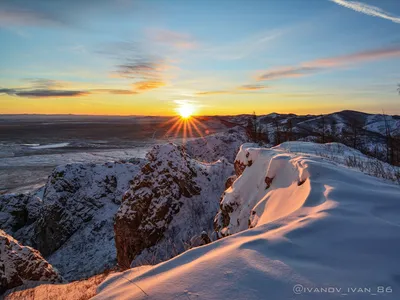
<point>164,116</point>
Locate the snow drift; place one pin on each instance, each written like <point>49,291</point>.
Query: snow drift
<point>295,223</point>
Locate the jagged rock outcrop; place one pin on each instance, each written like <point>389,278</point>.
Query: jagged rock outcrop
<point>19,264</point>
<point>73,228</point>
<point>18,211</point>
<point>212,147</point>
<point>169,201</point>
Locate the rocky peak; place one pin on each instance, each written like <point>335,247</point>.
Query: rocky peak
<point>172,198</point>
<point>74,218</point>
<point>19,264</point>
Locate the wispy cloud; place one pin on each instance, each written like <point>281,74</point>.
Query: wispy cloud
<point>206,93</point>
<point>42,93</point>
<point>246,88</point>
<point>143,86</point>
<point>114,91</point>
<point>368,10</point>
<point>42,83</point>
<point>47,88</point>
<point>287,72</point>
<point>132,62</point>
<point>242,48</point>
<point>139,68</point>
<point>43,88</point>
<point>311,67</point>
<point>176,39</point>
<point>252,87</point>
<point>358,57</point>
<point>45,13</point>
<point>28,17</point>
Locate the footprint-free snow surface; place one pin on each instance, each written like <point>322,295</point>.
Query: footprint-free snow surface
<point>314,229</point>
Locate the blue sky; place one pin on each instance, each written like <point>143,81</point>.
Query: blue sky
<point>223,57</point>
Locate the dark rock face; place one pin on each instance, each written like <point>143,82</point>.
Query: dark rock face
<point>230,181</point>
<point>222,218</point>
<point>21,263</point>
<point>18,211</point>
<point>73,225</point>
<point>73,195</point>
<point>239,167</point>
<point>172,197</point>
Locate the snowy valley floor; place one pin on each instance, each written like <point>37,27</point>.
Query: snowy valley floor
<point>318,230</point>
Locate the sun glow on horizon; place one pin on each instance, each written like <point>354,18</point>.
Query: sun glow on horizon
<point>185,110</point>
<point>185,124</point>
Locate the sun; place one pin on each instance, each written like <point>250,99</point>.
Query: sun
<point>185,123</point>
<point>185,110</point>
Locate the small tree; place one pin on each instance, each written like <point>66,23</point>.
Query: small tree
<point>255,130</point>
<point>289,126</point>
<point>277,133</point>
<point>252,128</point>
<point>322,132</point>
<point>333,134</point>
<point>389,141</point>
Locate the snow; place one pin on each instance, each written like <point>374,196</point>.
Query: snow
<point>50,146</point>
<point>212,147</point>
<point>319,224</point>
<point>376,123</point>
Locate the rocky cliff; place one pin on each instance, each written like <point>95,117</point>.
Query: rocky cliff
<point>72,225</point>
<point>172,199</point>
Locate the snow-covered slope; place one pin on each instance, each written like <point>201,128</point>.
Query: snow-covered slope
<point>314,224</point>
<point>171,200</point>
<point>376,123</point>
<point>20,264</point>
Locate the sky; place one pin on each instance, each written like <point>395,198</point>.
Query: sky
<point>123,57</point>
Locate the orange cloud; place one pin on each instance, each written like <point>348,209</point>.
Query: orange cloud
<point>252,87</point>
<point>246,87</point>
<point>143,86</point>
<point>205,93</point>
<point>358,57</point>
<point>115,91</point>
<point>310,67</point>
